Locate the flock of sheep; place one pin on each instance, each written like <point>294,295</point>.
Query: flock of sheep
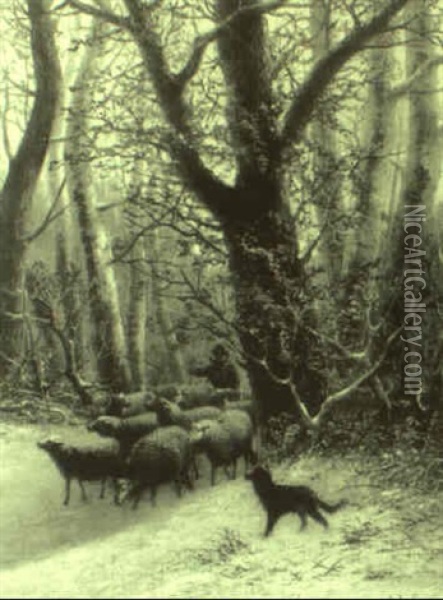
<point>156,441</point>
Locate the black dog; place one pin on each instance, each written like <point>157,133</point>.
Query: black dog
<point>278,499</point>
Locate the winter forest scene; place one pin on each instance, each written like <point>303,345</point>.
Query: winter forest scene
<point>221,299</point>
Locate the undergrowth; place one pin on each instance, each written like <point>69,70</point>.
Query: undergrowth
<point>397,454</point>
<point>222,548</point>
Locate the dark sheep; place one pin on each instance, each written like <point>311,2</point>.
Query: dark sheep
<point>127,431</point>
<point>246,405</point>
<point>86,462</point>
<point>225,440</point>
<point>170,391</point>
<point>163,456</point>
<point>169,413</point>
<point>128,405</point>
<point>195,396</point>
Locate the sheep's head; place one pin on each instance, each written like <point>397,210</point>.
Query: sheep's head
<point>164,409</point>
<point>105,425</point>
<point>149,399</point>
<point>200,431</point>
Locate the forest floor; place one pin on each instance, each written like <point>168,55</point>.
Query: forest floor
<point>388,543</point>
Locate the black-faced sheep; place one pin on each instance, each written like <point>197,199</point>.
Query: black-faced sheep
<point>225,440</point>
<point>86,462</point>
<point>127,431</point>
<point>160,457</point>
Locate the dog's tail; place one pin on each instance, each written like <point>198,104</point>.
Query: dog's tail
<point>332,508</point>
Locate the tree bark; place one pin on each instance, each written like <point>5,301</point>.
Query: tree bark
<point>66,240</point>
<point>22,177</point>
<point>329,205</point>
<point>268,280</point>
<point>173,355</point>
<point>109,341</point>
<point>137,310</point>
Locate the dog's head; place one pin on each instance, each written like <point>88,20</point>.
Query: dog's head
<point>259,474</point>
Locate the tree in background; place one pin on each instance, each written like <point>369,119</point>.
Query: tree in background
<point>21,180</point>
<point>109,341</point>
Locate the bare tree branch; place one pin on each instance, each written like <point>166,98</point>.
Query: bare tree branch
<point>127,249</point>
<point>201,180</point>
<point>204,301</point>
<point>202,42</point>
<point>78,383</point>
<point>307,255</point>
<point>302,411</point>
<point>51,215</point>
<point>100,13</point>
<point>342,394</point>
<point>324,71</point>
<point>403,88</point>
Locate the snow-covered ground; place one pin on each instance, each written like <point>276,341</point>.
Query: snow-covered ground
<point>387,543</point>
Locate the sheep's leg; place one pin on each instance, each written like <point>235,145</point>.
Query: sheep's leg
<point>248,459</point>
<point>116,487</point>
<point>80,483</point>
<point>234,468</point>
<point>195,467</point>
<point>67,491</point>
<point>188,481</point>
<point>137,491</point>
<point>153,495</point>
<point>103,488</point>
<point>227,473</point>
<point>302,516</point>
<point>212,474</point>
<point>178,487</point>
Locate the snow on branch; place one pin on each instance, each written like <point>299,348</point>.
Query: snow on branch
<point>341,395</point>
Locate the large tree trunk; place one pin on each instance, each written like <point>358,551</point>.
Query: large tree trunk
<point>372,187</point>
<point>418,197</point>
<point>22,177</point>
<point>108,336</point>
<point>422,182</point>
<point>138,297</point>
<point>268,282</point>
<point>68,269</point>
<point>173,354</point>
<point>73,311</point>
<point>137,310</point>
<point>328,203</point>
